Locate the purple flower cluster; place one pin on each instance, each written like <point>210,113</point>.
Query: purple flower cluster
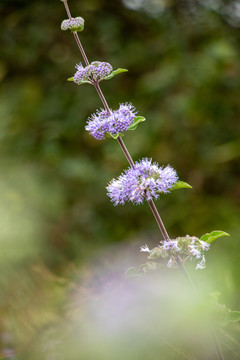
<point>100,70</point>
<point>184,247</point>
<point>145,181</point>
<point>73,24</point>
<point>95,71</point>
<point>82,74</point>
<point>115,122</point>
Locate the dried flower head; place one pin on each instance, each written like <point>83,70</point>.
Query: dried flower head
<point>145,181</point>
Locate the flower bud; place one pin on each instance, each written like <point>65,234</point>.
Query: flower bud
<point>82,74</point>
<point>73,24</point>
<point>100,69</point>
<point>97,71</point>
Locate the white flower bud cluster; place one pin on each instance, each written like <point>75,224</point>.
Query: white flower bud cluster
<point>73,24</point>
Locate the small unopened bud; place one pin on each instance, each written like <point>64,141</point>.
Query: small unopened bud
<point>74,24</point>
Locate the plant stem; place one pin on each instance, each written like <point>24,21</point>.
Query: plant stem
<point>159,220</point>
<point>67,9</point>
<point>129,158</point>
<point>125,150</point>
<point>185,273</point>
<point>119,139</point>
<point>80,47</point>
<point>75,34</point>
<point>102,97</point>
<point>218,348</point>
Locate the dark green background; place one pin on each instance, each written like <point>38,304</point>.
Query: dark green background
<point>183,76</point>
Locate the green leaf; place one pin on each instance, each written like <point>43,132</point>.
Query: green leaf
<point>82,82</point>
<point>137,120</point>
<point>149,266</point>
<point>113,73</point>
<point>115,136</point>
<point>233,316</point>
<point>180,185</point>
<point>77,28</point>
<point>210,237</point>
<point>132,271</point>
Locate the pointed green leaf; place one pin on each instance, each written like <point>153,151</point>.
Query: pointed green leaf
<point>210,237</point>
<point>70,79</point>
<point>180,185</point>
<point>137,120</point>
<point>113,73</point>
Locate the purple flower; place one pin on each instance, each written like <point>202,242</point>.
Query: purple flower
<point>82,74</point>
<point>170,245</point>
<point>145,181</point>
<point>97,71</point>
<point>194,251</point>
<point>100,70</point>
<point>115,122</point>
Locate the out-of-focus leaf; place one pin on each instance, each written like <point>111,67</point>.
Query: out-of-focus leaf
<point>214,235</point>
<point>181,185</point>
<point>132,271</point>
<point>233,316</point>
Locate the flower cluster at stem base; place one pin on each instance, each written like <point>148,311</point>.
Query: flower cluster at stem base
<point>183,248</point>
<point>145,181</point>
<point>96,71</point>
<point>113,123</point>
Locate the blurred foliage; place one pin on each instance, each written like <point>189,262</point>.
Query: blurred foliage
<point>183,76</point>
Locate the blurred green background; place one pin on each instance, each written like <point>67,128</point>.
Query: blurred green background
<point>57,225</point>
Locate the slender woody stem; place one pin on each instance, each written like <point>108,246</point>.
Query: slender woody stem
<point>159,220</point>
<point>102,97</point>
<point>125,151</point>
<point>81,47</point>
<point>67,8</point>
